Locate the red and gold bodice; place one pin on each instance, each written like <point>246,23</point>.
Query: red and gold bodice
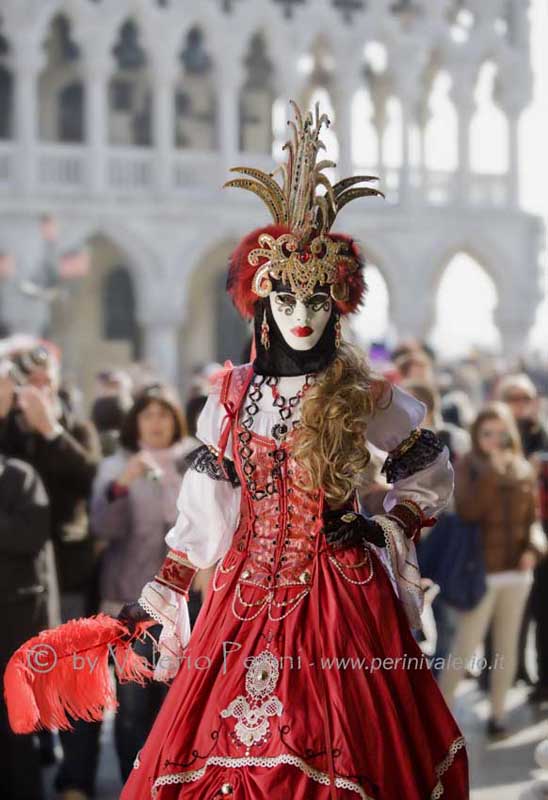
<point>278,537</point>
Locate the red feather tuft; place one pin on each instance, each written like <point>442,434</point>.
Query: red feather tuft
<point>355,281</point>
<point>64,673</point>
<point>241,272</point>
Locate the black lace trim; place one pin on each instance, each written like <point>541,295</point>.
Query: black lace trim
<point>204,460</point>
<point>423,452</point>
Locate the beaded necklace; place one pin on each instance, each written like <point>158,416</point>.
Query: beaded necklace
<point>279,431</point>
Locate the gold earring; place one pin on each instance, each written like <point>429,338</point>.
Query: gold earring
<point>265,332</point>
<point>338,333</point>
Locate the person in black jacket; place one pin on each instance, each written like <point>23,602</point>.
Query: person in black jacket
<point>37,426</point>
<point>24,531</point>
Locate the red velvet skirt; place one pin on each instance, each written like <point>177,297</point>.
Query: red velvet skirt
<point>327,697</point>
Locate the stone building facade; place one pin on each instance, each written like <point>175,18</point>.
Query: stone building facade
<point>121,118</point>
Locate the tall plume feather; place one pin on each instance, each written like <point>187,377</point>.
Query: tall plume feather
<point>297,204</point>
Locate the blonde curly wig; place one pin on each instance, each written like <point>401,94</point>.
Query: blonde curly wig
<point>331,439</point>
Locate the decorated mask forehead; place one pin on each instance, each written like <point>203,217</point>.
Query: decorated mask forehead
<point>302,268</point>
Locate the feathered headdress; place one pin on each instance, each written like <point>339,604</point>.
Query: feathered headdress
<point>299,248</point>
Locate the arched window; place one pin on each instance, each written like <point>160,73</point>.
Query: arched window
<point>118,304</point>
<point>465,304</point>
<point>440,133</point>
<point>364,134</point>
<point>6,91</point>
<point>6,103</point>
<point>372,322</point>
<point>195,103</point>
<point>488,125</point>
<point>61,86</point>
<point>130,99</point>
<point>256,99</point>
<point>71,113</point>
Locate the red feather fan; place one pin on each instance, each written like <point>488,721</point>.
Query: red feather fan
<point>64,672</point>
<point>241,272</point>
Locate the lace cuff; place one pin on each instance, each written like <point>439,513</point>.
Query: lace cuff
<point>205,459</point>
<point>170,610</point>
<point>416,452</point>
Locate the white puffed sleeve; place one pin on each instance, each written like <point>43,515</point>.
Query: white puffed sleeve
<point>430,487</point>
<point>208,514</point>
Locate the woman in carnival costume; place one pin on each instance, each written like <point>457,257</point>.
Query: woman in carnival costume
<point>302,678</point>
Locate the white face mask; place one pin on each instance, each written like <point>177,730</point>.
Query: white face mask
<point>301,323</point>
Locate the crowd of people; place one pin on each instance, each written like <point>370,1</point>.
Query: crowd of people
<point>85,505</point>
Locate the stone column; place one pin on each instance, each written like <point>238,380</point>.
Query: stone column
<point>161,346</point>
<point>407,81</point>
<point>98,68</point>
<point>406,120</point>
<point>229,81</point>
<point>165,74</point>
<point>380,121</point>
<point>462,95</point>
<point>28,62</point>
<point>513,93</point>
<point>347,83</point>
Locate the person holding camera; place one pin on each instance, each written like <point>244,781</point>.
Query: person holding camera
<point>134,504</point>
<point>496,487</point>
<point>38,426</point>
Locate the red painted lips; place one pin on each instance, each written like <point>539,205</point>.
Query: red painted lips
<point>302,331</point>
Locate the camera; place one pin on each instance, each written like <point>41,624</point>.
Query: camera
<point>154,474</point>
<point>24,363</point>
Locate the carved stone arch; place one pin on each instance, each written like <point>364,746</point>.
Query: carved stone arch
<point>78,14</point>
<point>144,263</point>
<point>204,16</point>
<point>482,249</point>
<point>145,16</point>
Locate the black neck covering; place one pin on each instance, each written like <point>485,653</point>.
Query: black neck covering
<point>281,359</point>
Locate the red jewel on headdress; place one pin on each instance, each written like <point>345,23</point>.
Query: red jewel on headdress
<point>304,257</point>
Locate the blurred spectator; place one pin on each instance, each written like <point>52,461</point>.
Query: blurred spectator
<point>112,402</point>
<point>24,531</point>
<point>415,366</point>
<point>134,505</point>
<point>38,426</point>
<point>520,394</point>
<point>454,437</point>
<point>457,409</point>
<point>108,414</point>
<point>495,486</point>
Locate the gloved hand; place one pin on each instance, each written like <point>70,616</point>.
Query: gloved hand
<point>132,613</point>
<point>347,528</point>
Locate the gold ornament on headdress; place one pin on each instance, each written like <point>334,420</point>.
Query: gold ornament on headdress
<point>307,255</point>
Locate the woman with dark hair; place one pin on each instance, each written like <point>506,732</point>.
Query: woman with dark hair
<point>496,487</point>
<point>133,506</point>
